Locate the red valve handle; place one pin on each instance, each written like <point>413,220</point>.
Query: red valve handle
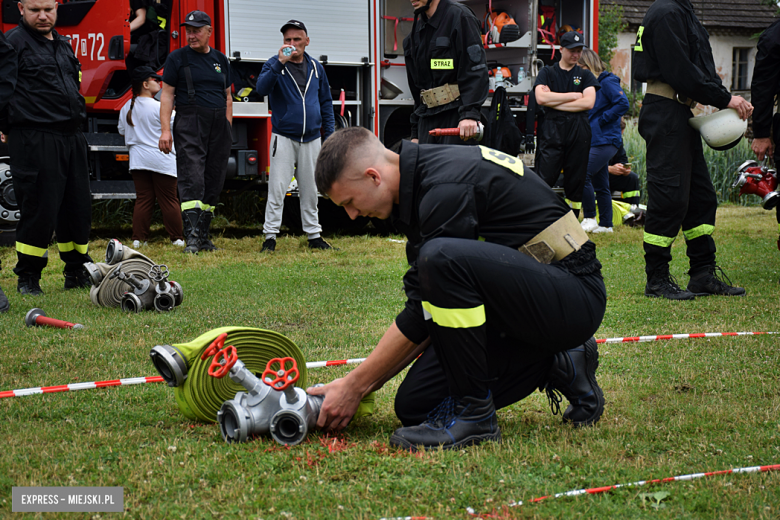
<point>286,379</point>
<point>223,362</point>
<point>216,345</point>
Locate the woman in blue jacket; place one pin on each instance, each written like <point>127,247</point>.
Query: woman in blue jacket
<point>604,117</point>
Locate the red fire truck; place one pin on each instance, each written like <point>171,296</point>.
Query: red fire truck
<point>358,41</point>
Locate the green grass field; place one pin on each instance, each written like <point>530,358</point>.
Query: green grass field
<point>673,407</point>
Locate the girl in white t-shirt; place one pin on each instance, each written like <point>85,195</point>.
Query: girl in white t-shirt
<point>154,173</point>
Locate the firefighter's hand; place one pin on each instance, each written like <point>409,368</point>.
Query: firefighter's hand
<point>619,169</point>
<point>282,57</point>
<point>468,128</point>
<point>166,142</point>
<point>340,404</point>
<point>742,106</point>
<point>762,147</point>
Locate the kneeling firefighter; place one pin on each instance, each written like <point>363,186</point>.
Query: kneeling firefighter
<point>497,260</point>
<point>673,56</point>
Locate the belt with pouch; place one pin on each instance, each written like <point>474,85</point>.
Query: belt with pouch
<point>439,96</point>
<point>659,88</point>
<point>556,241</point>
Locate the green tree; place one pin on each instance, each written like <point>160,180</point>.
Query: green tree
<point>610,25</point>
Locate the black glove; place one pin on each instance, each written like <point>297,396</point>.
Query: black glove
<point>529,143</point>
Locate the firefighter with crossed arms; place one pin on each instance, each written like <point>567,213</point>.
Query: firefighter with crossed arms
<point>48,152</point>
<point>673,56</point>
<point>763,92</point>
<point>446,70</point>
<point>495,258</point>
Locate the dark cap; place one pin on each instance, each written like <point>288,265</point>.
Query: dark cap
<point>295,24</point>
<point>572,39</point>
<point>196,19</point>
<point>143,73</point>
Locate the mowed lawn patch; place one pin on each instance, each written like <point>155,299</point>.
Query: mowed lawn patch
<point>673,407</point>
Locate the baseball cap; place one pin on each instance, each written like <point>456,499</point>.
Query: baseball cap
<point>196,19</point>
<point>143,73</point>
<point>572,39</point>
<point>294,24</point>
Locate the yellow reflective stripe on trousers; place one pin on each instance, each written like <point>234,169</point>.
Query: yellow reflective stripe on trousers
<point>629,194</point>
<point>658,240</point>
<point>456,318</point>
<point>26,249</point>
<point>64,247</point>
<point>191,204</point>
<point>704,229</point>
<point>573,205</point>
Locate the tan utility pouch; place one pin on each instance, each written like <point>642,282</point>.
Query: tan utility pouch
<point>440,95</point>
<point>557,241</point>
<point>659,88</point>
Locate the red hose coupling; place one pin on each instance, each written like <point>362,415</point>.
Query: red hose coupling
<point>36,317</point>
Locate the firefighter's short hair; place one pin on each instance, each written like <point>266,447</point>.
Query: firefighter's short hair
<point>338,151</point>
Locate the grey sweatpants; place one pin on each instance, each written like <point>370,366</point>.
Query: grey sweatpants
<point>292,158</point>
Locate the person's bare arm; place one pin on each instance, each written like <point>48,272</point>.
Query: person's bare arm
<point>343,395</point>
<point>139,20</point>
<point>229,113</point>
<point>586,102</point>
<point>545,97</point>
<point>166,109</point>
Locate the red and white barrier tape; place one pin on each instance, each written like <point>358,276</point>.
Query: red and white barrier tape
<point>593,491</point>
<point>81,386</point>
<point>642,339</point>
<point>139,380</point>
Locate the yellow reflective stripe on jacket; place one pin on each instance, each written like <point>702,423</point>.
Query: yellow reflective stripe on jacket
<point>440,64</point>
<point>26,249</point>
<point>638,46</point>
<point>456,318</point>
<point>658,240</point>
<point>629,194</point>
<point>64,247</point>
<point>574,205</point>
<point>192,204</point>
<point>698,231</point>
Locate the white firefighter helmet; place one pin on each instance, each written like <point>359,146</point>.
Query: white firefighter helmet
<point>721,130</point>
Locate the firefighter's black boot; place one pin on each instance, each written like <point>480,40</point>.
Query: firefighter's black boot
<point>191,219</point>
<point>573,374</point>
<point>661,284</point>
<point>77,279</point>
<point>29,284</point>
<point>453,424</point>
<point>707,281</point>
<point>4,305</point>
<point>203,224</point>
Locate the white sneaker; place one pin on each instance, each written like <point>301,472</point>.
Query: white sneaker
<point>589,224</point>
<point>179,243</point>
<point>137,244</point>
<point>600,229</point>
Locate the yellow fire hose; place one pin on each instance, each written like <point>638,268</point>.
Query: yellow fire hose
<point>200,395</point>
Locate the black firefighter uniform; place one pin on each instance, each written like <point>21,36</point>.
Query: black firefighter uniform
<point>48,153</point>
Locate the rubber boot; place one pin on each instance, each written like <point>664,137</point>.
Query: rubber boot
<point>191,220</point>
<point>203,230</point>
<point>453,424</point>
<point>573,374</point>
<point>29,284</point>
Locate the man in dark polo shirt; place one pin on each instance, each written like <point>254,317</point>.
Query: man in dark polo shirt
<point>197,77</point>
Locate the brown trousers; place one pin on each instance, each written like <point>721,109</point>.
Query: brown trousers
<point>148,186</point>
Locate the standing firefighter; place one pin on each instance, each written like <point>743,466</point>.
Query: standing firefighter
<point>7,85</point>
<point>673,55</point>
<point>496,261</point>
<point>198,78</point>
<point>48,151</point>
<point>446,69</point>
<point>764,91</point>
<point>567,92</point>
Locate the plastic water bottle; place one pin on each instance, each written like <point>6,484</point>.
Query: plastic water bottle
<point>521,75</point>
<point>499,78</point>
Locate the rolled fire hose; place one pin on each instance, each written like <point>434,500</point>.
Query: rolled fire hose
<point>199,396</point>
<point>123,268</point>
